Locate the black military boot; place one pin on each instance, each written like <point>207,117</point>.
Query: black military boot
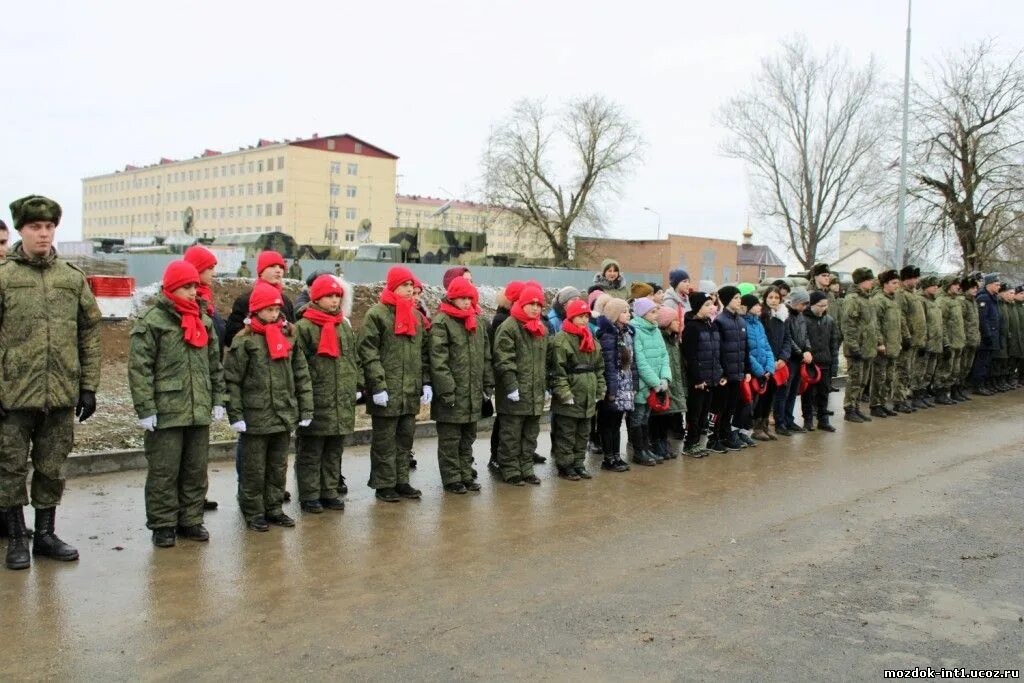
<point>407,491</point>
<point>919,400</point>
<point>879,411</point>
<point>46,543</point>
<point>902,407</point>
<point>943,399</point>
<point>17,545</point>
<point>928,398</point>
<point>824,424</point>
<point>889,411</point>
<point>852,416</point>
<point>862,416</point>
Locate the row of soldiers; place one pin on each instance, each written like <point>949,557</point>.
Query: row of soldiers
<point>915,341</point>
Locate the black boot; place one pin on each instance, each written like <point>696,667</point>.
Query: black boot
<point>46,543</point>
<point>852,416</point>
<point>943,398</point>
<point>878,411</point>
<point>17,545</point>
<point>640,454</point>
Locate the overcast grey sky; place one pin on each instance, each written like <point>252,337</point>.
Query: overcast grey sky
<point>89,87</point>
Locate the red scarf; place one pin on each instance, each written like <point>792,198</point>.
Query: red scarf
<point>586,338</point>
<point>532,325</point>
<point>277,344</point>
<point>191,321</point>
<point>468,316</point>
<point>206,294</point>
<point>405,317</point>
<point>328,334</point>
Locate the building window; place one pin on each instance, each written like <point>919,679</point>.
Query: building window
<point>353,169</point>
<point>359,148</point>
<point>259,209</point>
<point>332,212</point>
<point>190,176</point>
<point>335,167</point>
<point>279,208</point>
<point>259,166</point>
<point>350,214</point>
<point>248,211</point>
<point>206,173</point>
<point>280,163</point>
<point>231,212</point>
<point>350,190</point>
<point>232,169</point>
<point>206,193</point>
<point>280,186</point>
<point>222,212</point>
<point>231,190</point>
<point>762,274</point>
<point>350,235</point>
<point>270,186</point>
<point>250,166</point>
<point>330,145</point>
<point>215,170</point>
<point>249,189</point>
<point>335,189</point>
<point>270,164</point>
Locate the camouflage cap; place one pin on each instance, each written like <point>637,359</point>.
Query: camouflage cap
<point>929,281</point>
<point>862,274</point>
<point>34,208</point>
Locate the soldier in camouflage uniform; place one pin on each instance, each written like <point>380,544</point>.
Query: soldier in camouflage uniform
<point>933,345</point>
<point>177,385</point>
<point>50,345</point>
<point>5,237</point>
<point>243,270</point>
<point>954,339</point>
<point>972,331</point>
<point>895,336</point>
<point>861,341</point>
<point>907,369</point>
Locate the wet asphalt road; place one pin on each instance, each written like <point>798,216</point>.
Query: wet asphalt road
<point>889,545</point>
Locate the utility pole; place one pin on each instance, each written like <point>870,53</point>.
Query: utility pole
<point>901,211</point>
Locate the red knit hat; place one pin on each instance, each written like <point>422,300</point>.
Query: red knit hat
<point>398,276</point>
<point>460,287</point>
<point>179,274</point>
<point>416,284</point>
<point>267,259</point>
<point>264,295</point>
<point>325,285</point>
<point>532,295</point>
<point>513,290</point>
<point>576,307</point>
<point>452,273</point>
<point>200,257</point>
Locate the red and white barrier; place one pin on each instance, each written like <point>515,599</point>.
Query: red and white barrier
<point>113,295</point>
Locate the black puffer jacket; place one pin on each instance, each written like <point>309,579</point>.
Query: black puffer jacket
<point>700,346</point>
<point>823,337</point>
<point>732,331</point>
<point>778,336</point>
<point>797,326</point>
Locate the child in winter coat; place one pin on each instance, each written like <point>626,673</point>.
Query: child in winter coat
<point>762,365</point>
<point>177,386</point>
<point>460,367</point>
<point>653,373</point>
<point>700,349</point>
<point>327,342</point>
<point>799,354</point>
<point>396,365</point>
<point>670,422</point>
<point>732,332</point>
<point>520,358</point>
<point>576,373</point>
<point>773,402</point>
<point>269,392</point>
<point>616,337</point>
<point>824,341</point>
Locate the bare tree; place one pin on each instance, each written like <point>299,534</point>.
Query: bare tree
<point>969,126</point>
<point>555,171</point>
<point>809,130</point>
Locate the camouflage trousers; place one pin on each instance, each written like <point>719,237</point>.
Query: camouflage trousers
<point>390,449</point>
<point>46,437</point>
<point>947,373</point>
<point>517,444</point>
<point>907,369</point>
<point>455,451</point>
<point>263,473</point>
<point>569,440</point>
<point>883,380</point>
<point>927,370</point>
<point>318,466</point>
<point>966,364</point>
<point>176,479</point>
<point>858,376</point>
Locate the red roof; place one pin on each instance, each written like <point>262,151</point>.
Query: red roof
<point>436,202</point>
<point>344,143</point>
<point>210,153</point>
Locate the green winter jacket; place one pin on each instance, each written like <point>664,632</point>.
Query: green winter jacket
<point>49,333</point>
<point>460,366</point>
<point>1015,346</point>
<point>270,395</point>
<point>677,389</point>
<point>334,381</point>
<point>650,357</point>
<point>576,375</point>
<point>861,335</point>
<point>397,364</point>
<point>520,362</point>
<point>890,323</point>
<point>933,314</point>
<point>912,307</point>
<point>953,334</point>
<point>169,378</point>
<point>1003,352</point>
<point>972,329</point>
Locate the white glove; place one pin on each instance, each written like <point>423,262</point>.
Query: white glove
<point>428,394</point>
<point>570,402</point>
<point>514,396</point>
<point>148,423</point>
<point>239,426</point>
<point>381,399</point>
<point>305,423</point>
<point>547,395</point>
<point>662,386</point>
<point>219,413</point>
<point>359,395</point>
<point>487,397</point>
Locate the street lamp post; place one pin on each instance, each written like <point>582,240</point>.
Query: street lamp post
<point>647,208</point>
<point>901,209</point>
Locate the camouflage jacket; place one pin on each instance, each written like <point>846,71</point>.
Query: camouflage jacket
<point>576,376</point>
<point>933,314</point>
<point>520,364</point>
<point>891,324</point>
<point>971,322</point>
<point>912,306</point>
<point>953,334</point>
<point>169,378</point>
<point>49,333</point>
<point>335,381</point>
<point>270,395</point>
<point>861,335</point>
<point>460,367</point>
<point>397,364</point>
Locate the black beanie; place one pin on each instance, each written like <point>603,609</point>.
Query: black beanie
<point>817,296</point>
<point>727,294</point>
<point>697,300</point>
<point>750,300</point>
